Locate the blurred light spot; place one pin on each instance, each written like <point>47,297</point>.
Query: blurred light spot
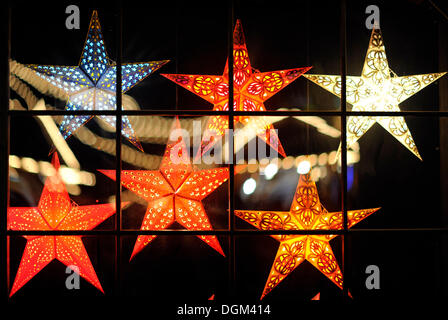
<point>46,168</point>
<point>352,157</point>
<point>69,175</point>
<point>315,174</point>
<point>270,171</point>
<point>304,167</point>
<point>30,165</point>
<point>249,186</point>
<point>312,158</point>
<point>288,162</point>
<point>251,168</point>
<point>350,177</point>
<point>332,157</point>
<point>322,159</point>
<point>14,161</point>
<point>323,172</point>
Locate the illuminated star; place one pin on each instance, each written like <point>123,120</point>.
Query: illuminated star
<point>174,193</point>
<point>306,213</point>
<point>251,89</point>
<point>377,89</point>
<point>55,211</point>
<point>92,85</point>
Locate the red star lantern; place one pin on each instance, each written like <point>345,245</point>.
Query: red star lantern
<point>251,89</point>
<point>174,193</point>
<point>306,213</point>
<point>55,211</point>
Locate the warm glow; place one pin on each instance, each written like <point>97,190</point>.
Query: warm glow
<point>251,89</point>
<point>377,89</point>
<point>306,213</point>
<point>304,167</point>
<point>270,171</point>
<point>249,186</point>
<point>174,193</point>
<point>56,211</point>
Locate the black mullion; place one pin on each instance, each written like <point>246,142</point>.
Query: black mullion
<point>231,152</point>
<point>222,232</point>
<point>119,35</point>
<point>4,142</point>
<point>343,65</point>
<point>295,113</point>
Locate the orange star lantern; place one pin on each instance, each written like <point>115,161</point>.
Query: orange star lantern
<point>306,213</point>
<point>174,193</point>
<point>56,211</point>
<point>251,89</point>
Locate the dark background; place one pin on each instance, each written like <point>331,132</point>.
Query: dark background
<point>279,35</point>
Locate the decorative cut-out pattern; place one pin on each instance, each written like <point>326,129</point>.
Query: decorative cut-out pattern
<point>306,213</point>
<point>174,193</point>
<point>92,84</point>
<point>377,90</point>
<point>251,89</point>
<point>56,211</point>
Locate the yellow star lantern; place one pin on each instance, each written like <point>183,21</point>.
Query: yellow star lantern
<point>306,213</point>
<point>377,89</point>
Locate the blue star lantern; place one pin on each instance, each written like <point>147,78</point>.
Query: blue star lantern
<point>92,84</point>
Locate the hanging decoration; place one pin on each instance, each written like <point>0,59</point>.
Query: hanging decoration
<point>92,84</point>
<point>55,211</point>
<point>174,192</point>
<point>251,89</point>
<point>377,89</point>
<point>306,213</point>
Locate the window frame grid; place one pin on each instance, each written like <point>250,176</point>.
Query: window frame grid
<point>6,114</point>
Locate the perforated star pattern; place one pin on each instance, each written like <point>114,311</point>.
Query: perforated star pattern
<point>91,85</point>
<point>56,211</point>
<point>251,89</point>
<point>306,213</point>
<point>174,193</point>
<point>377,90</point>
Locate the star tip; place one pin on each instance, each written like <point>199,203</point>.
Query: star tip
<point>55,161</point>
<point>108,173</point>
<point>52,150</point>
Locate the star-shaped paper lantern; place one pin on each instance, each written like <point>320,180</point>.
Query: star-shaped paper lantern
<point>92,84</point>
<point>306,213</point>
<point>174,193</point>
<point>55,211</point>
<point>377,89</point>
<point>251,89</point>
